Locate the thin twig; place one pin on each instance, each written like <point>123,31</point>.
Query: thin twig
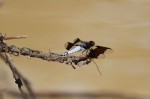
<point>27,85</point>
<point>21,78</point>
<point>15,37</point>
<point>16,76</point>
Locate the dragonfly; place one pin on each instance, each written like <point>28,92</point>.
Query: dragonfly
<point>91,50</point>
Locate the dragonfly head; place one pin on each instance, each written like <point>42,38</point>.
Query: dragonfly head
<point>92,43</point>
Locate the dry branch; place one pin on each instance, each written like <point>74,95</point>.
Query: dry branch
<point>49,56</point>
<point>14,37</point>
<point>18,80</point>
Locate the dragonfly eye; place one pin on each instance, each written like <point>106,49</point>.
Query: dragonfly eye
<point>92,43</point>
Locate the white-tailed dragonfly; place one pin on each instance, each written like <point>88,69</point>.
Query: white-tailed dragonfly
<point>92,51</point>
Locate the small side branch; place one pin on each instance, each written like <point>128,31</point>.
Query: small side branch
<point>14,37</point>
<point>18,80</point>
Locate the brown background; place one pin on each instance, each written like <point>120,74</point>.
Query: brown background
<point>123,25</point>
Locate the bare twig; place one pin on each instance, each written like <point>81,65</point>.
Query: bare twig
<point>14,37</point>
<point>49,56</point>
<point>18,80</point>
<point>27,85</point>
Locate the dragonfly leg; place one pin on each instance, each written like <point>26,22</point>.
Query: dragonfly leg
<point>72,65</point>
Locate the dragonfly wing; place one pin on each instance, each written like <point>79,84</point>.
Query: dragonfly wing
<point>69,45</point>
<point>98,51</point>
<point>76,40</point>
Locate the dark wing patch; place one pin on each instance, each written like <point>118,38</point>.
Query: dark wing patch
<point>96,52</point>
<point>69,45</point>
<point>76,40</point>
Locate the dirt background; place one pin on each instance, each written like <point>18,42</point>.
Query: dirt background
<point>123,25</point>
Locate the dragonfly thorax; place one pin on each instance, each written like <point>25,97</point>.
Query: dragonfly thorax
<point>86,45</point>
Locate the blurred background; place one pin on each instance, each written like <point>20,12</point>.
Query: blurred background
<point>122,25</point>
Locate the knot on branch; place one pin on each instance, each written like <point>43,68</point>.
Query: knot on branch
<point>13,50</point>
<point>19,82</point>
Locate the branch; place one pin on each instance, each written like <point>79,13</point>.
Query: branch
<point>17,77</point>
<point>20,79</point>
<point>49,56</point>
<point>14,37</point>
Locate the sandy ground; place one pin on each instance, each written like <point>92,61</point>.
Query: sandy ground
<point>123,25</point>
